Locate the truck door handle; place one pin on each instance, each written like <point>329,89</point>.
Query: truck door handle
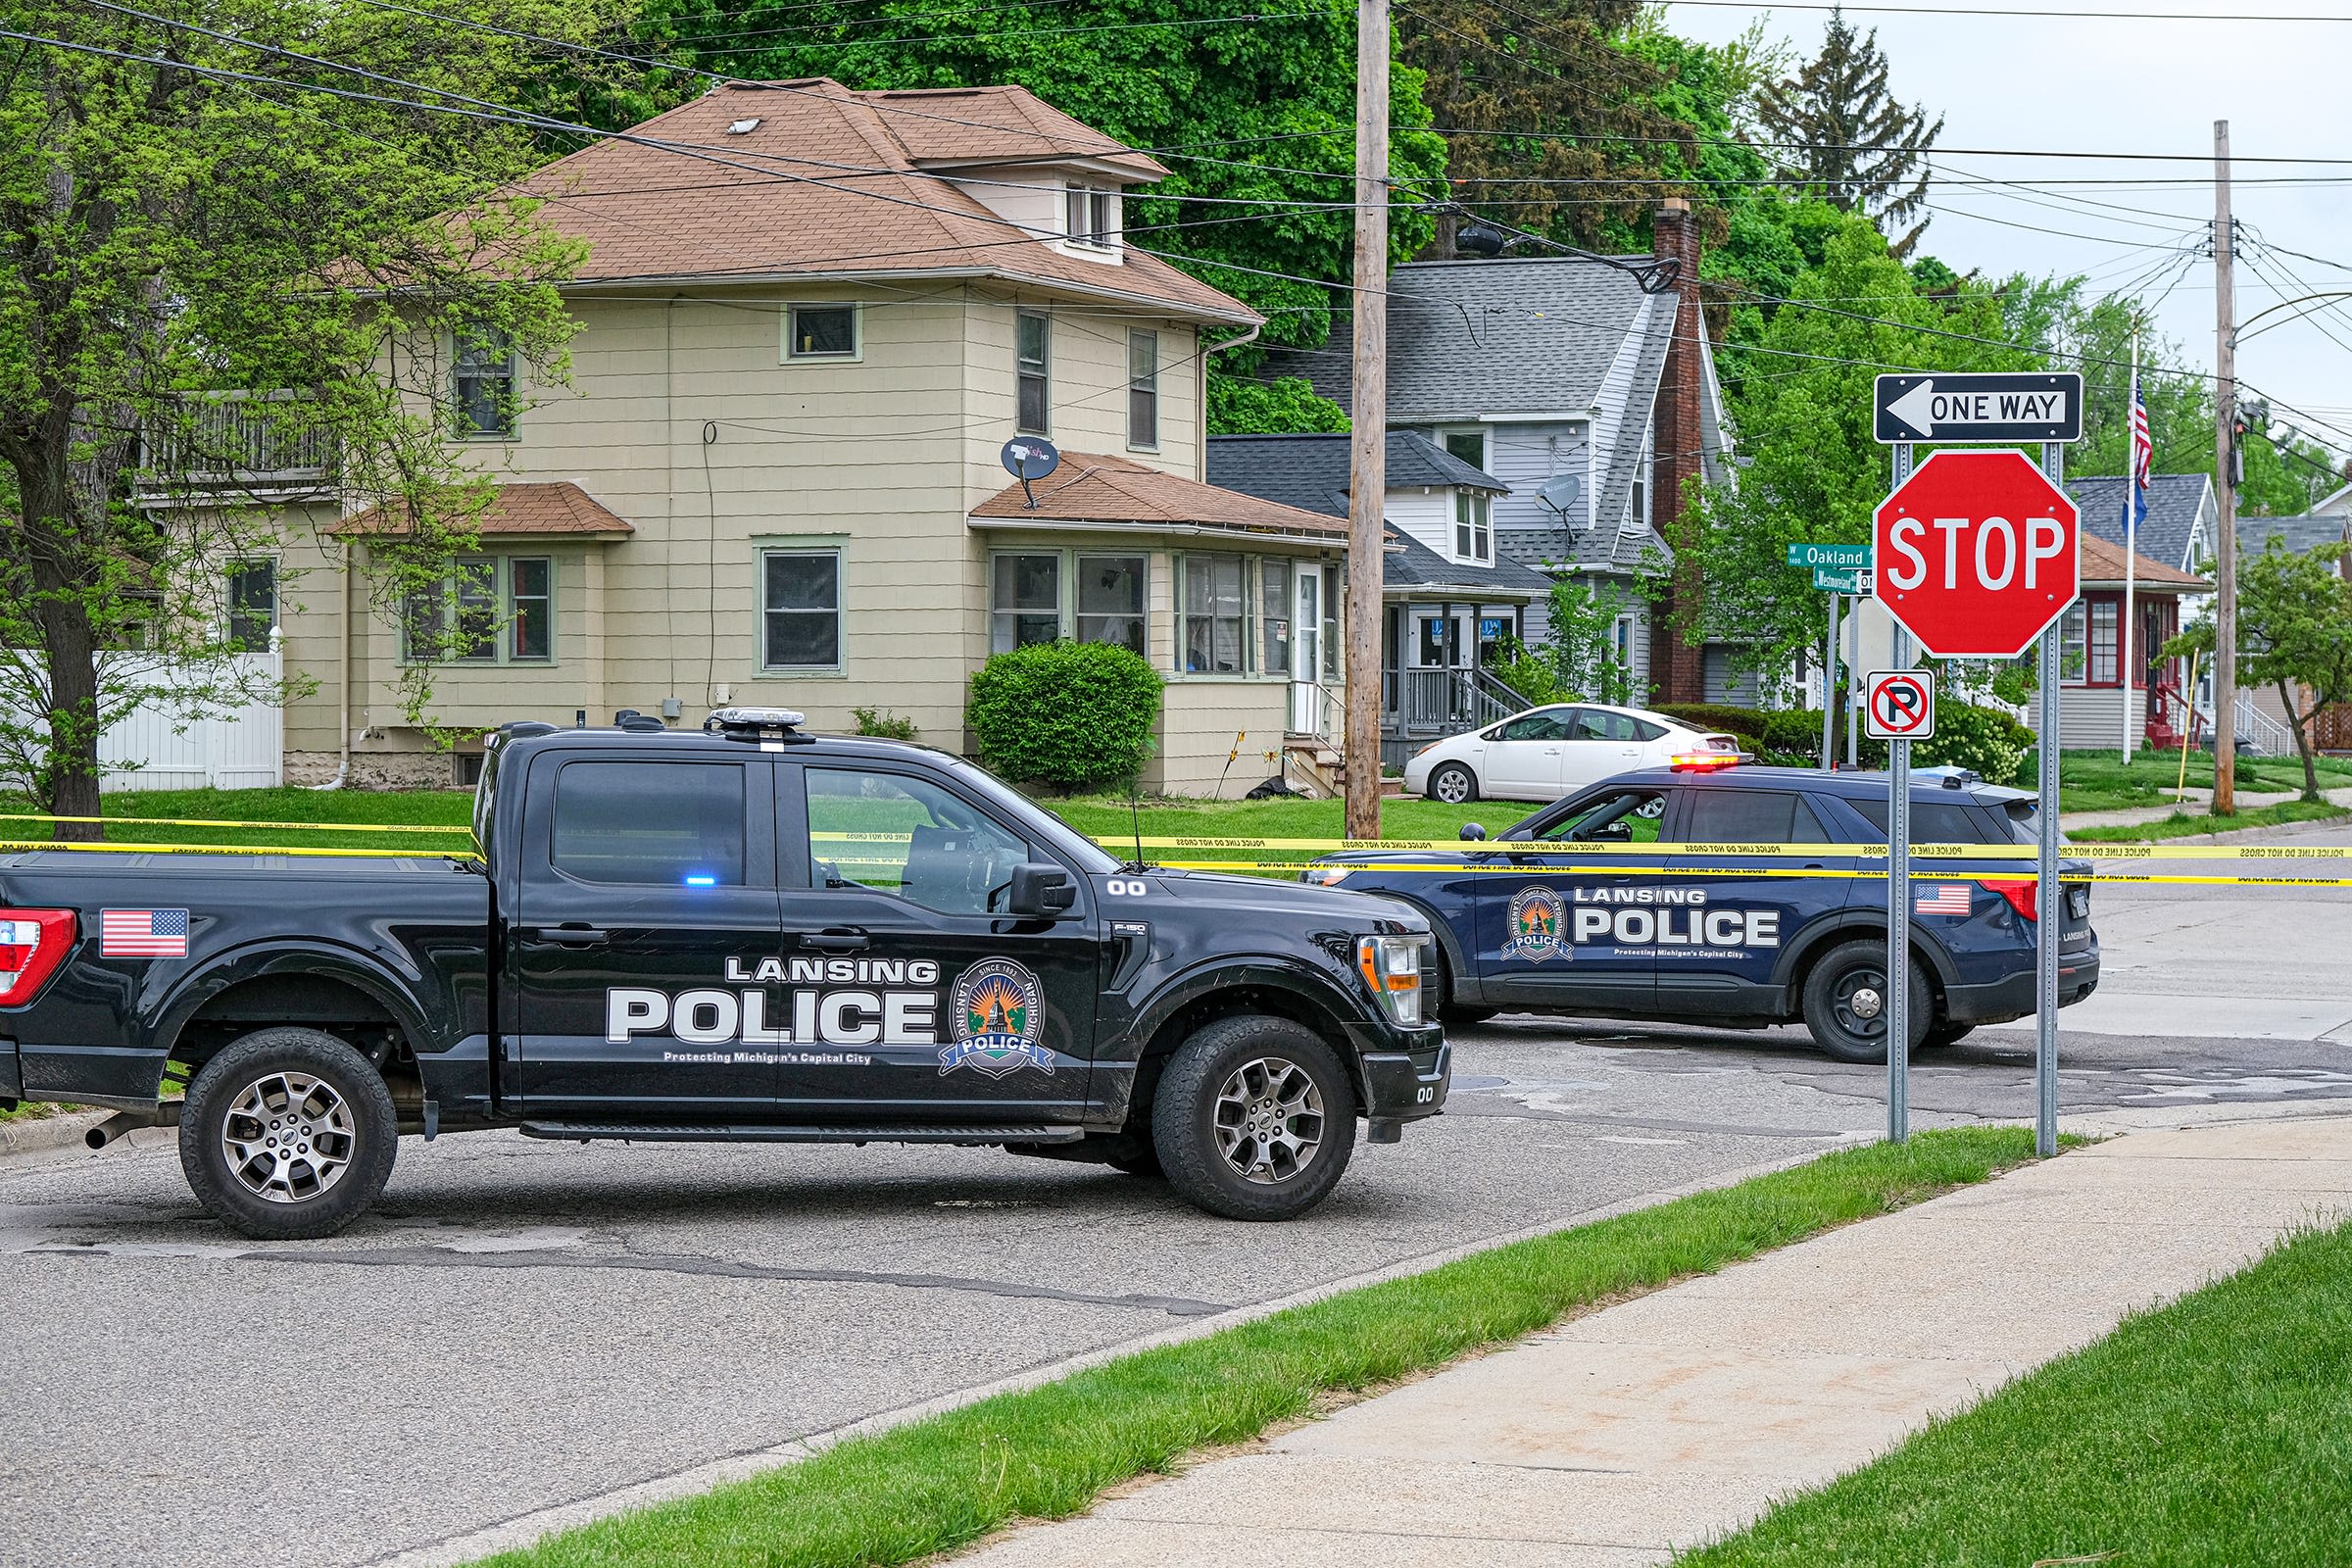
<point>572,935</point>
<point>835,941</point>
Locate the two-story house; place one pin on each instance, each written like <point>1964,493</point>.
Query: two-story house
<point>1543,370</point>
<point>775,477</point>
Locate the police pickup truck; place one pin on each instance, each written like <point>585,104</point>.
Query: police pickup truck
<point>742,933</point>
<point>1632,900</point>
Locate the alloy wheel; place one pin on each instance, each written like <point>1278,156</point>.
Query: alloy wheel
<point>1269,1120</point>
<point>288,1137</point>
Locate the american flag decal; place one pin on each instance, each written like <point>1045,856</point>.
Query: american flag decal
<point>1948,898</point>
<point>143,933</point>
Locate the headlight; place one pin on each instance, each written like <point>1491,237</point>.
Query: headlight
<point>1391,967</point>
<point>1324,876</point>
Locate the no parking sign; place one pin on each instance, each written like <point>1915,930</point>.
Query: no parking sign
<point>1899,704</point>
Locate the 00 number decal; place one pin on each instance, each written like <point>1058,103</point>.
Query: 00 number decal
<point>1121,888</point>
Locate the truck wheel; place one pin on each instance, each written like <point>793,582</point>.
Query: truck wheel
<point>287,1135</point>
<point>1453,784</point>
<point>1846,1001</point>
<point>1254,1119</point>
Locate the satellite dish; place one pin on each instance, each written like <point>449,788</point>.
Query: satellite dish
<point>1561,493</point>
<point>1029,456</point>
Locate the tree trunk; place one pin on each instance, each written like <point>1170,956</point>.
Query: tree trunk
<point>72,773</point>
<point>2303,723</point>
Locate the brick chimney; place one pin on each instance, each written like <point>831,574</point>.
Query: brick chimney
<point>1677,670</point>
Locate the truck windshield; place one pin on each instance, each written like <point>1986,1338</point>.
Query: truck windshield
<point>1026,815</point>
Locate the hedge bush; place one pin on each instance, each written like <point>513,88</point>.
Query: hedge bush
<point>1069,715</point>
<point>1983,740</point>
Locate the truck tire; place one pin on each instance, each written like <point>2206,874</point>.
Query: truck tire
<point>1846,1001</point>
<point>287,1135</point>
<point>1254,1119</point>
<point>1453,785</point>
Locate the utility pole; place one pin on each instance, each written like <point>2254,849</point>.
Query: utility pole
<point>1368,415</point>
<point>2224,489</point>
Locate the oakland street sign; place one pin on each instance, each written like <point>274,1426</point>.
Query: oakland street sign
<point>1977,554</point>
<point>2035,405</point>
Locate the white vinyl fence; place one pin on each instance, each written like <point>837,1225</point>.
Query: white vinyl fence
<point>155,747</point>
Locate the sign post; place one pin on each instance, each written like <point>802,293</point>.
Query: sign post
<point>1841,572</point>
<point>1899,707</point>
<point>1979,558</point>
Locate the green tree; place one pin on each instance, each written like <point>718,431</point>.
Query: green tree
<point>1249,114</point>
<point>1858,147</point>
<point>202,274</point>
<point>2294,634</point>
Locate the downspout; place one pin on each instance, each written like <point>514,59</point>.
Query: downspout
<point>1206,350</point>
<point>342,676</point>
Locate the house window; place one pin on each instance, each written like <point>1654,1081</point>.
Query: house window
<point>2101,668</point>
<point>1468,445</point>
<point>800,609</point>
<point>1025,605</point>
<point>1473,527</point>
<point>485,383</point>
<point>1032,335</point>
<point>1211,641</point>
<point>1087,217</point>
<point>822,332</point>
<point>455,619</point>
<point>2070,646</point>
<point>1274,622</point>
<point>1110,601</point>
<point>1143,389</point>
<point>252,603</point>
<point>530,608</point>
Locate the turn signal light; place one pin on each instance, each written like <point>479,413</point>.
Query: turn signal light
<point>1391,967</point>
<point>2020,895</point>
<point>33,944</point>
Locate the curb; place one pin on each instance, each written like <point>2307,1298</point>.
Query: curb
<point>2233,835</point>
<point>62,1131</point>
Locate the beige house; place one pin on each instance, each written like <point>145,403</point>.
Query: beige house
<point>776,478</point>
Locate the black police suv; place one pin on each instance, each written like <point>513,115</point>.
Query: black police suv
<point>746,933</point>
<point>1537,922</point>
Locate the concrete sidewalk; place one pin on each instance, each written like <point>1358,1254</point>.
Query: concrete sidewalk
<point>1667,1421</point>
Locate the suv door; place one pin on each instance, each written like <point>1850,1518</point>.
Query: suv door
<point>640,876</point>
<point>934,1004</point>
<point>1578,930</point>
<point>1725,962</point>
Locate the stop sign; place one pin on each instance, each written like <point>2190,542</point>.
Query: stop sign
<point>1975,554</point>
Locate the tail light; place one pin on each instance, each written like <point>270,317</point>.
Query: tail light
<point>2018,894</point>
<point>33,944</point>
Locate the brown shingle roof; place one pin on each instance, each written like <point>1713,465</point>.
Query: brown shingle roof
<point>2103,564</point>
<point>537,510</point>
<point>1099,489</point>
<point>830,183</point>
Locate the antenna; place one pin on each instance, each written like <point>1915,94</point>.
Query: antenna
<point>1027,458</point>
<point>1135,815</point>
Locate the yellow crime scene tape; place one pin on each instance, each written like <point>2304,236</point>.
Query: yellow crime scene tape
<point>206,821</point>
<point>1935,851</point>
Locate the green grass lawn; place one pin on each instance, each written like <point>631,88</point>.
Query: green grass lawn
<point>2181,824</point>
<point>2214,1433</point>
<point>131,817</point>
<point>1106,816</point>
<point>2101,781</point>
<point>1046,1454</point>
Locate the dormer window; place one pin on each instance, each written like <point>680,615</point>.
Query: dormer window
<point>1473,528</point>
<point>1088,217</point>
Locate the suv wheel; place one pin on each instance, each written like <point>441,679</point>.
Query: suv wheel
<point>1846,1001</point>
<point>1453,784</point>
<point>1948,1033</point>
<point>1254,1119</point>
<point>287,1135</point>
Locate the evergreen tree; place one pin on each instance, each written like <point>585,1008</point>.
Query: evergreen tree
<point>1845,133</point>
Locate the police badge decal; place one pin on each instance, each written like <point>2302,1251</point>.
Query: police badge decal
<point>1538,917</point>
<point>999,1015</point>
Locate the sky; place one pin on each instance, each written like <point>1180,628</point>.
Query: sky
<point>2139,87</point>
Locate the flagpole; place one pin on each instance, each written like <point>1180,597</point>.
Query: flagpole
<point>2130,534</point>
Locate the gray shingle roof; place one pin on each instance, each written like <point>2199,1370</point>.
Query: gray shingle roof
<point>2175,501</point>
<point>2302,535</point>
<point>1410,564</point>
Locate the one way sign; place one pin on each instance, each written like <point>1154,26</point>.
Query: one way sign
<point>2042,406</point>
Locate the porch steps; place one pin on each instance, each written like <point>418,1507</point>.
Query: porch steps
<point>1312,763</point>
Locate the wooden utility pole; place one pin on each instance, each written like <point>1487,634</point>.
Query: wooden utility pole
<point>1368,413</point>
<point>2224,489</point>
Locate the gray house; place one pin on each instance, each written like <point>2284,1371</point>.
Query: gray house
<point>1545,369</point>
<point>2183,516</point>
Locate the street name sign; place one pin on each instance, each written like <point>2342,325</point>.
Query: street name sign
<point>1979,554</point>
<point>1836,557</point>
<point>1828,579</point>
<point>2039,405</point>
<point>1899,704</point>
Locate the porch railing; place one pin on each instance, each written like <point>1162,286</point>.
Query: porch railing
<point>2265,734</point>
<point>233,442</point>
<point>1444,702</point>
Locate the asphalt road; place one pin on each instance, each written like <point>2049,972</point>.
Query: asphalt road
<point>521,1325</point>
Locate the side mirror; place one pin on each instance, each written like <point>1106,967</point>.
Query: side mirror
<point>1041,891</point>
<point>1473,832</point>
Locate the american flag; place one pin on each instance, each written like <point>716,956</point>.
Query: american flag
<point>143,933</point>
<point>1947,898</point>
<point>2144,457</point>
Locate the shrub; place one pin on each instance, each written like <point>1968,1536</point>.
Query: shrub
<point>1526,671</point>
<point>884,725</point>
<point>1749,724</point>
<point>1983,740</point>
<point>1069,715</point>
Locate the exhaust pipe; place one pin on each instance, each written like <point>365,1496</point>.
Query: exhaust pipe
<point>121,1123</point>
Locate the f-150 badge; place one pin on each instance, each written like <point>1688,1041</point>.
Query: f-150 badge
<point>999,1014</point>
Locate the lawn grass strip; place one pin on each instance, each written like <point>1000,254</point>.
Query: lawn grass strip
<point>2182,825</point>
<point>1051,1452</point>
<point>2211,1432</point>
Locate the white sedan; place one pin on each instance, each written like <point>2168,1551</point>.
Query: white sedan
<point>1545,753</point>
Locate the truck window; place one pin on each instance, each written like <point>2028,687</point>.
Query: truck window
<point>651,822</point>
<point>907,837</point>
